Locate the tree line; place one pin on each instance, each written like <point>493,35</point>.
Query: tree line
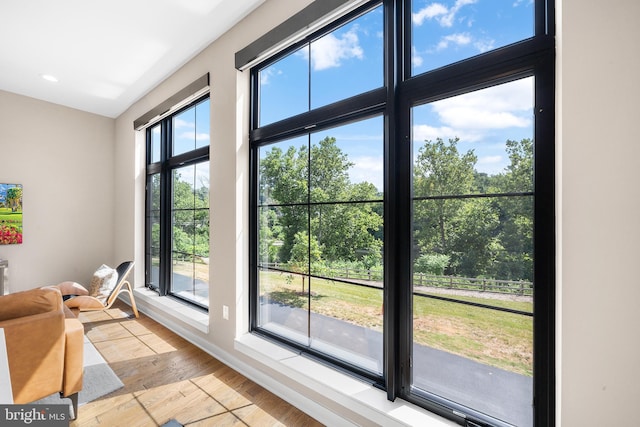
<point>465,222</point>
<point>189,217</point>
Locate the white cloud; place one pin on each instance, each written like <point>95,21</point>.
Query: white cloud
<point>181,123</point>
<point>428,12</point>
<point>447,20</point>
<point>459,39</point>
<point>330,51</point>
<point>431,133</point>
<point>491,165</point>
<point>416,58</point>
<point>367,169</point>
<point>474,115</point>
<point>190,135</point>
<point>445,16</point>
<point>484,45</point>
<point>267,74</point>
<point>490,160</point>
<point>202,137</point>
<point>517,3</point>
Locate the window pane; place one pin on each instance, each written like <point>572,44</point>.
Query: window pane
<point>348,61</point>
<point>271,236</point>
<point>477,143</point>
<point>283,282</point>
<point>155,268</point>
<point>184,131</point>
<point>347,162</point>
<point>346,322</point>
<point>154,146</point>
<point>202,124</point>
<point>475,249</point>
<point>153,227</point>
<point>448,31</point>
<point>284,87</point>
<point>348,240</point>
<point>190,233</point>
<point>284,172</point>
<point>346,312</point>
<point>191,128</point>
<point>477,357</point>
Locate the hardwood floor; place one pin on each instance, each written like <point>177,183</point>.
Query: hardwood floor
<point>165,377</point>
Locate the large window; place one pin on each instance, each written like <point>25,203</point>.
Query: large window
<point>177,220</point>
<point>402,203</point>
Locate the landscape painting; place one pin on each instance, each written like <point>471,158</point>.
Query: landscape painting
<point>10,214</point>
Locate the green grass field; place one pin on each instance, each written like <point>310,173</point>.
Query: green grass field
<point>495,338</point>
<point>13,219</point>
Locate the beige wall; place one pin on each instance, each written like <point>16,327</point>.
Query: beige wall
<point>64,159</point>
<point>54,148</point>
<point>599,216</point>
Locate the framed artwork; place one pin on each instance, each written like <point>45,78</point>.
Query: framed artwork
<point>10,214</point>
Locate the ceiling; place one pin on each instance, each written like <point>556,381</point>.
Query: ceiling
<point>105,54</point>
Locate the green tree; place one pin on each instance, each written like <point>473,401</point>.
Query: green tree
<point>14,198</point>
<point>190,218</point>
<point>320,175</point>
<point>440,170</point>
<point>284,180</point>
<point>305,252</point>
<point>474,243</point>
<point>269,236</point>
<point>515,259</point>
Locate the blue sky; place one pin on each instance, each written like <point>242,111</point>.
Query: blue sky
<point>191,130</point>
<point>4,188</point>
<point>349,61</point>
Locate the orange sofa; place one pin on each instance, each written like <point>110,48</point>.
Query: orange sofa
<point>45,343</point>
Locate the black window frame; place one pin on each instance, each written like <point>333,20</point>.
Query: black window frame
<point>533,56</point>
<point>164,168</point>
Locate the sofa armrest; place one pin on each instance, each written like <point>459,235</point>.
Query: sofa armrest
<point>73,356</point>
<point>35,349</point>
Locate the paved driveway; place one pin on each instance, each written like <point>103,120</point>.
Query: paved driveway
<point>502,394</point>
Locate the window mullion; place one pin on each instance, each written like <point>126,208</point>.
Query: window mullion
<point>165,209</point>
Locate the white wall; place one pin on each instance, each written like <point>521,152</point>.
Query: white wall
<point>64,159</point>
<point>599,216</point>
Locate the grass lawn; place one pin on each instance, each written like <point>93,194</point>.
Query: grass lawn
<point>495,338</point>
<point>13,219</point>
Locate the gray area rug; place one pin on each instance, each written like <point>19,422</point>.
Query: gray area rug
<point>99,379</point>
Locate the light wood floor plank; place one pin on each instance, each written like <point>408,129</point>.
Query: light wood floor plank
<point>165,377</point>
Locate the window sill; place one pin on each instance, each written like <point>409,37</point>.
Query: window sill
<point>348,392</point>
<point>153,304</point>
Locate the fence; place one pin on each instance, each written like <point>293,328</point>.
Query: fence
<point>511,287</point>
<point>474,284</point>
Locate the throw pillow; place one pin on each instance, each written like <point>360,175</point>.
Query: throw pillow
<point>72,288</point>
<point>103,281</point>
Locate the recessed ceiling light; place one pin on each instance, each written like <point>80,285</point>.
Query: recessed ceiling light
<point>49,78</point>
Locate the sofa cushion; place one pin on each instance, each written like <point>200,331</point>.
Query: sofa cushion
<point>30,302</point>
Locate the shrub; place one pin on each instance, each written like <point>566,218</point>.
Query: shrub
<point>432,264</point>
